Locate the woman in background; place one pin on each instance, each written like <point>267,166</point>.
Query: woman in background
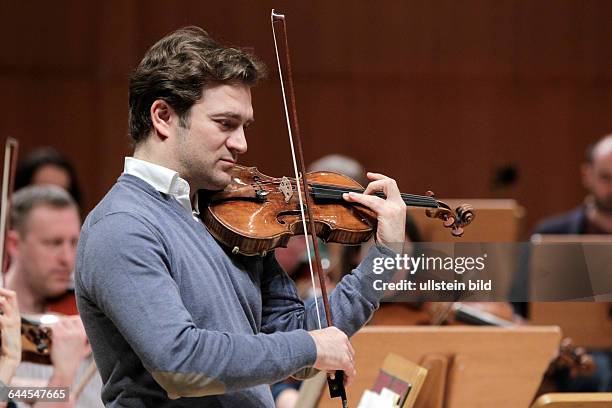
<point>47,166</point>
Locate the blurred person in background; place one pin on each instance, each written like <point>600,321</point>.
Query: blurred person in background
<point>337,260</point>
<point>593,216</point>
<point>45,226</point>
<point>46,165</point>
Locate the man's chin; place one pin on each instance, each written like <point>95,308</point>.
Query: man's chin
<point>219,181</point>
<point>57,291</point>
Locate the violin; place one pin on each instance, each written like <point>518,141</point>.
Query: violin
<point>256,213</point>
<point>36,333</point>
<point>35,341</point>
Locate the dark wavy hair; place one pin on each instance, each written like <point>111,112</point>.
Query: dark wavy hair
<point>178,68</point>
<point>32,162</point>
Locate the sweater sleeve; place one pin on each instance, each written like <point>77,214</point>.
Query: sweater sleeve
<point>352,302</point>
<point>124,268</point>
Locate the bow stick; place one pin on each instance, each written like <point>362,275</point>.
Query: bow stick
<point>335,383</point>
<point>8,179</point>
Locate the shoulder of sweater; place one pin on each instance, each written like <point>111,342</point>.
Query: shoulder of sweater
<point>566,223</point>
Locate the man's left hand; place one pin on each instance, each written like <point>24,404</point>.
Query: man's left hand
<point>390,211</point>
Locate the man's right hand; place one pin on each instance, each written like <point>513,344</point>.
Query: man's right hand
<point>334,352</point>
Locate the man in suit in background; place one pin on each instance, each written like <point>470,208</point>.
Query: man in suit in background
<point>594,216</point>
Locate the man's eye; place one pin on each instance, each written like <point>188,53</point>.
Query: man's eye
<point>225,124</point>
<point>605,177</point>
<point>53,242</point>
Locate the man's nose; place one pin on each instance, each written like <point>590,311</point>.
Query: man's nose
<point>67,254</point>
<point>237,141</point>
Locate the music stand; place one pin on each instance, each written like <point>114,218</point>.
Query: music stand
<point>486,367</point>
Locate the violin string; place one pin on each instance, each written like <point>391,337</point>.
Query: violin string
<point>343,189</point>
<point>409,203</point>
<point>340,190</point>
<point>409,199</point>
<point>335,192</point>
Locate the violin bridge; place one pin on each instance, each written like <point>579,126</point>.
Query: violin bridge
<point>285,187</point>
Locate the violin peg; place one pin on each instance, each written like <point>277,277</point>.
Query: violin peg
<point>430,193</point>
<point>449,222</point>
<point>457,232</point>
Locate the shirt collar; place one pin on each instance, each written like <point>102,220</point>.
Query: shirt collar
<point>162,179</point>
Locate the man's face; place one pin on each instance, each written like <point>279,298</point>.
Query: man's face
<point>209,148</point>
<point>47,248</point>
<point>598,180</point>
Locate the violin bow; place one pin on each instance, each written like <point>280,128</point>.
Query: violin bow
<point>336,382</point>
<point>8,180</point>
<point>89,373</point>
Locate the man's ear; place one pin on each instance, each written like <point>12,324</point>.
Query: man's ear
<point>162,118</point>
<point>12,243</point>
<point>586,171</point>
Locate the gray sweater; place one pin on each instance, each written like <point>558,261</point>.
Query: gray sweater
<point>176,320</point>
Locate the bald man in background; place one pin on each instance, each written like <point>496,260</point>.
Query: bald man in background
<point>593,216</point>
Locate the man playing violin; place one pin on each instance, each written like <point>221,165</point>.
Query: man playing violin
<point>175,318</point>
<point>42,243</point>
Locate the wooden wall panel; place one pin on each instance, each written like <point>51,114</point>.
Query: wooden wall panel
<point>438,94</point>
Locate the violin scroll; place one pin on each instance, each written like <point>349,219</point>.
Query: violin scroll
<point>461,217</point>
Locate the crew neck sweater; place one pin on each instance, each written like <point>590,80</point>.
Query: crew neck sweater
<point>176,320</point>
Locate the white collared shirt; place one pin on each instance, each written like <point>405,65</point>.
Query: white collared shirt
<point>164,180</point>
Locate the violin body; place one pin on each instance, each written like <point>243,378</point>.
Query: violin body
<point>256,213</point>
<point>35,341</point>
<point>36,337</point>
